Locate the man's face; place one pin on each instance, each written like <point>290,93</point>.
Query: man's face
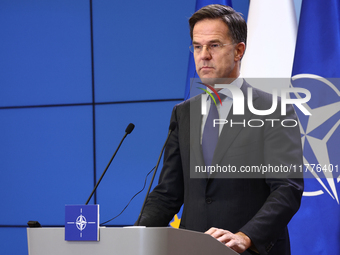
<point>222,63</point>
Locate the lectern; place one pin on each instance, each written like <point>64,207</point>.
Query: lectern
<point>126,241</point>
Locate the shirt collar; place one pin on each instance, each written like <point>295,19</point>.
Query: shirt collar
<point>237,83</point>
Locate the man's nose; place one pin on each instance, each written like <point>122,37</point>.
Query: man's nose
<point>205,54</point>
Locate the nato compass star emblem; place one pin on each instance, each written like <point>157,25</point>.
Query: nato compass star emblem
<point>81,222</point>
<point>319,133</point>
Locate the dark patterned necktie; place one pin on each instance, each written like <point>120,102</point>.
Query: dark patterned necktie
<point>210,133</point>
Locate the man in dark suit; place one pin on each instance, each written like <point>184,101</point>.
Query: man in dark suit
<point>249,213</point>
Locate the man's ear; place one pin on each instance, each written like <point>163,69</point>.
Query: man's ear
<point>239,51</point>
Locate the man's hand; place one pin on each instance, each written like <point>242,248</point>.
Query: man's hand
<point>239,242</point>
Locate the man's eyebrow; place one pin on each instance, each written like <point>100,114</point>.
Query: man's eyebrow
<point>211,41</point>
<point>215,41</point>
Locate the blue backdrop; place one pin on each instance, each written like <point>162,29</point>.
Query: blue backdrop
<point>73,75</point>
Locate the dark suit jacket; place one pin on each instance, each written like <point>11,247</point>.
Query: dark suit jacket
<point>259,207</point>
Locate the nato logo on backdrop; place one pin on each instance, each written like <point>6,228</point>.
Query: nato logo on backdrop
<point>82,222</point>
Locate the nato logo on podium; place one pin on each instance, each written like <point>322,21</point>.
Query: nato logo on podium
<point>82,222</point>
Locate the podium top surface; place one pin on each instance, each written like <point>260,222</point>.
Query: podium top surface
<point>123,241</point>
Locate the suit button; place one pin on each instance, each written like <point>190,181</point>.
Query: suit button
<point>208,200</point>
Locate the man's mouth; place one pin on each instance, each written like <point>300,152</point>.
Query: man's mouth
<point>206,67</point>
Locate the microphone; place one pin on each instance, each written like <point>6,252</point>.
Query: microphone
<point>171,128</point>
<point>128,130</point>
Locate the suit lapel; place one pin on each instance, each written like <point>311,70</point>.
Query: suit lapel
<point>196,154</point>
